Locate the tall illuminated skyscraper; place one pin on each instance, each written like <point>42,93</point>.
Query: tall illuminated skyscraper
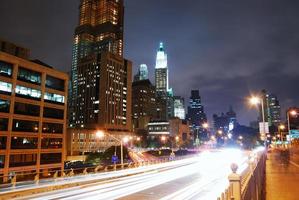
<point>100,29</point>
<point>161,73</point>
<point>101,77</point>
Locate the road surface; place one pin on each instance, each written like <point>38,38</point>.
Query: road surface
<point>201,177</point>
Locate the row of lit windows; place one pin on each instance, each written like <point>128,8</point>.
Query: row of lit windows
<point>30,92</point>
<point>31,76</point>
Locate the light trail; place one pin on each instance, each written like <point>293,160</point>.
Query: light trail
<point>208,174</point>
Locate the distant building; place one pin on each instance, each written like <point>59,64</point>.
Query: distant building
<point>225,122</point>
<point>272,109</point>
<point>196,114</point>
<point>32,117</point>
<point>144,107</point>
<point>142,73</point>
<point>179,107</point>
<point>14,49</point>
<point>172,128</point>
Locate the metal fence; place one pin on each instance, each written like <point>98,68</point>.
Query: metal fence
<point>248,184</point>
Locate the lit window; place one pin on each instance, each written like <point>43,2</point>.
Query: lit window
<point>54,97</point>
<point>5,87</point>
<point>24,91</point>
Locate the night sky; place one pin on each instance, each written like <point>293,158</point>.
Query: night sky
<point>226,49</point>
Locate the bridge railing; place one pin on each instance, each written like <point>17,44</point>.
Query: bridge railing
<point>247,184</point>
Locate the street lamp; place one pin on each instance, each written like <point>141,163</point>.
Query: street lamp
<point>281,128</point>
<point>292,113</point>
<point>255,101</point>
<point>101,134</point>
<point>205,125</point>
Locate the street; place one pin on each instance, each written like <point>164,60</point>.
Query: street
<point>203,176</point>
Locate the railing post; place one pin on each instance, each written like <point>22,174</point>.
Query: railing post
<point>235,183</point>
<point>14,181</point>
<point>36,179</point>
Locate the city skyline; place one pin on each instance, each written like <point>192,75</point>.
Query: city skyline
<point>248,67</point>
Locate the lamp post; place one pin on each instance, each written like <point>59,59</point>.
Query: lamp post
<point>292,113</point>
<point>281,128</point>
<point>101,134</point>
<point>255,101</point>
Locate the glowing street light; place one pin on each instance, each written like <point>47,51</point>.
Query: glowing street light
<point>205,125</point>
<point>177,138</point>
<point>254,100</point>
<point>281,128</point>
<point>293,113</point>
<point>101,134</point>
<point>220,132</point>
<point>163,138</point>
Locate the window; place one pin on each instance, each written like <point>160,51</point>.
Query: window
<point>25,126</point>
<point>53,113</point>
<point>50,158</point>
<point>54,83</point>
<point>5,87</point>
<point>27,92</point>
<point>5,69</point>
<point>23,143</point>
<point>4,105</point>
<point>29,76</point>
<point>26,109</point>
<point>54,98</point>
<point>51,143</point>
<point>22,160</point>
<point>52,128</point>
<point>2,142</point>
<point>2,161</point>
<point>3,124</point>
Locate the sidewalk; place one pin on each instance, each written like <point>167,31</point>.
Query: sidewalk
<point>282,176</point>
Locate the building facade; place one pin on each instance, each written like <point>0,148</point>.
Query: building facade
<point>196,114</point>
<point>32,117</point>
<point>272,109</point>
<point>100,29</point>
<point>143,104</point>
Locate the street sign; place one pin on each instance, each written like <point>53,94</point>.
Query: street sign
<point>114,159</point>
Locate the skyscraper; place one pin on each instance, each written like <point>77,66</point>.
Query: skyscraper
<point>100,29</point>
<point>196,114</point>
<point>142,73</point>
<point>161,73</point>
<point>163,91</point>
<point>272,108</point>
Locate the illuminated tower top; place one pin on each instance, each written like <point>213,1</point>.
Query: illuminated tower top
<point>161,60</point>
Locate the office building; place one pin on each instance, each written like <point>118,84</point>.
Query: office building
<point>225,122</point>
<point>100,29</point>
<point>272,109</point>
<point>101,78</point>
<point>143,104</point>
<point>32,117</point>
<point>196,114</point>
